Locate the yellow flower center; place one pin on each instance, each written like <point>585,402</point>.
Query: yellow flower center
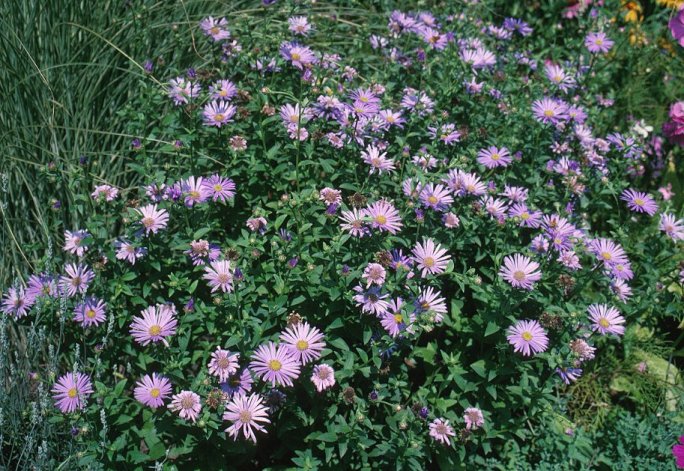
<point>525,216</point>
<point>275,365</point>
<point>295,56</point>
<point>380,219</point>
<point>90,314</point>
<point>223,93</point>
<point>398,318</point>
<point>72,393</point>
<point>148,222</point>
<point>429,262</point>
<point>245,416</point>
<point>214,30</point>
<point>606,255</point>
<point>519,275</point>
<point>495,156</point>
<point>155,392</point>
<point>218,187</point>
<point>432,199</point>
<point>527,336</point>
<point>302,345</point>
<point>218,117</point>
<point>639,202</point>
<point>154,330</point>
<point>603,322</point>
<point>548,113</point>
<point>599,42</point>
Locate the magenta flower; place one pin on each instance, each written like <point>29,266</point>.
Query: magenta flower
<point>73,242</point>
<point>430,258</point>
<point>374,273</point>
<point>384,217</point>
<point>247,414</point>
<point>303,342</point>
<point>676,25</point>
<point>153,219</point>
<point>394,321</point>
<point>440,430</point>
<point>187,404</point>
<point>528,337</point>
<point>152,390</point>
<point>76,280</point>
<point>606,319</point>
<point>678,449</point>
<point>218,113</point>
<point>436,197</point>
<point>223,364</point>
<point>157,323</point>
<point>323,377</point>
<point>493,157</point>
<point>378,161</point>
<point>71,392</point>
<point>473,418</point>
<point>598,42</point>
<point>16,303</point>
<point>639,202</point>
<point>217,29</point>
<point>220,276</point>
<point>90,312</point>
<point>40,286</point>
<point>275,364</point>
<point>520,271</point>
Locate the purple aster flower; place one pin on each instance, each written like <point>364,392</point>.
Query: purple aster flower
<point>436,197</point>
<point>223,90</point>
<point>354,222</point>
<point>606,319</point>
<point>520,271</point>
<point>274,364</point>
<point>493,157</point>
<point>219,188</point>
<point>218,113</point>
<point>430,300</point>
<point>300,56</point>
<point>557,76</point>
<point>549,110</point>
<point>16,303</point>
<point>378,161</point>
<point>153,219</point>
<point>220,276</point>
<point>187,404</point>
<point>304,342</point>
<point>384,217</point>
<point>323,377</point>
<point>598,42</point>
<point>181,91</point>
<point>201,252</point>
<point>152,390</point>
<point>125,250</point>
<point>440,430</point>
<point>223,364</point>
<point>371,300</point>
<point>473,418</point>
<point>91,312</point>
<point>73,242</point>
<point>71,392</point>
<point>217,29</point>
<point>639,202</point>
<point>247,413</point>
<point>672,227</point>
<point>76,280</point>
<point>430,258</point>
<point>528,218</point>
<point>528,337</point>
<point>299,25</point>
<point>41,285</point>
<point>155,324</point>
<point>569,375</point>
<point>374,273</point>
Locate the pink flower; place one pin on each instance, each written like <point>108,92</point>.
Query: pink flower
<point>430,258</point>
<point>223,364</point>
<point>220,276</point>
<point>153,219</point>
<point>384,217</point>
<point>440,430</point>
<point>374,274</point>
<point>303,342</point>
<point>90,312</point>
<point>606,319</point>
<point>152,390</point>
<point>275,364</point>
<point>378,161</point>
<point>71,391</point>
<point>473,418</point>
<point>73,242</point>
<point>187,404</point>
<point>678,449</point>
<point>676,25</point>
<point>157,323</point>
<point>528,337</point>
<point>493,157</point>
<point>247,414</point>
<point>323,377</point>
<point>520,271</point>
<point>76,280</point>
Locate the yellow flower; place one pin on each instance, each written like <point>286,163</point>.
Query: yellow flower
<point>670,3</point>
<point>633,14</point>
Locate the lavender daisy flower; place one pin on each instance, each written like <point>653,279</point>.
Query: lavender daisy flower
<point>90,312</point>
<point>16,303</point>
<point>323,377</point>
<point>374,273</point>
<point>303,342</point>
<point>440,430</point>
<point>157,323</point>
<point>223,364</point>
<point>672,227</point>
<point>223,90</point>
<point>392,118</point>
<point>187,404</point>
<point>371,300</point>
<point>528,337</point>
<point>621,289</point>
<point>125,250</point>
<point>300,56</point>
<point>239,382</point>
<point>73,242</point>
<point>378,161</point>
<point>76,280</point>
<point>430,300</point>
<point>354,222</point>
<point>493,157</point>
<point>40,286</point>
<point>436,197</point>
<point>384,217</point>
<point>495,207</point>
<point>181,90</point>
<point>430,258</point>
<point>394,321</point>
<point>247,414</point>
<point>582,350</point>
<point>201,252</point>
<point>549,110</point>
<point>152,390</point>
<point>608,251</point>
<point>104,192</point>
<point>218,113</point>
<point>569,375</point>
<point>598,42</point>
<point>400,261</point>
<point>559,78</point>
<point>71,392</point>
<point>606,319</point>
<point>220,276</point>
<point>639,202</point>
<point>527,217</point>
<point>153,219</point>
<point>275,364</point>
<point>217,29</point>
<point>520,271</point>
<point>473,418</point>
<point>299,25</point>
